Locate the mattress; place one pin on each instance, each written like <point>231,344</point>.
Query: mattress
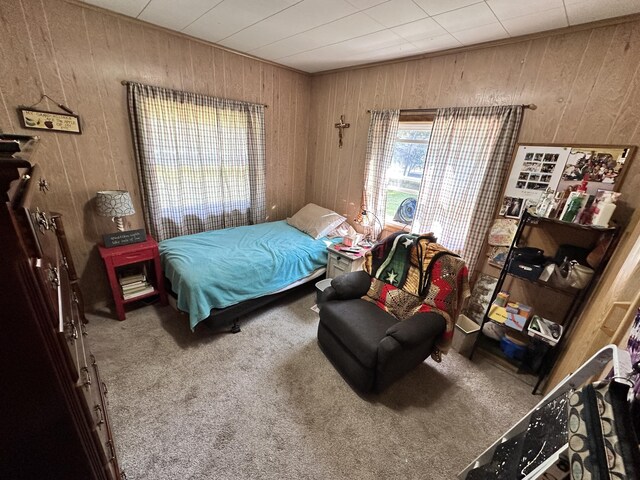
<point>220,268</point>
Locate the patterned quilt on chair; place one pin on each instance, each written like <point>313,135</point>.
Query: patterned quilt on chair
<point>412,273</point>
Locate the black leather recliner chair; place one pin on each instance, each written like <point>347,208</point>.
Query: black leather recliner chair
<point>368,346</point>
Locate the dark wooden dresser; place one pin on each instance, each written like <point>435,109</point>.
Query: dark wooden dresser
<point>54,421</point>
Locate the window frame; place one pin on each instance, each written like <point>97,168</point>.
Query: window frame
<point>407,120</point>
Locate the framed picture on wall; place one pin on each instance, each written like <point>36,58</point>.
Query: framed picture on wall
<point>537,167</point>
<point>512,207</point>
<point>603,166</point>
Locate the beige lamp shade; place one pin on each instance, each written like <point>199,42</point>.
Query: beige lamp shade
<point>115,204</point>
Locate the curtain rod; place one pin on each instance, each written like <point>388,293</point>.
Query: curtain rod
<point>531,106</point>
<point>127,82</point>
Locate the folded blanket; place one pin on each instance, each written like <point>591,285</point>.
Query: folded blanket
<point>412,273</point>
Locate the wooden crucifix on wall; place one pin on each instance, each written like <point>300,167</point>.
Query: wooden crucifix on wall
<point>341,126</point>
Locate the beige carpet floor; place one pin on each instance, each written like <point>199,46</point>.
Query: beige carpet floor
<point>267,404</point>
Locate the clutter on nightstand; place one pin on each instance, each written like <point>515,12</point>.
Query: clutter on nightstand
<point>343,259</point>
<point>352,240</point>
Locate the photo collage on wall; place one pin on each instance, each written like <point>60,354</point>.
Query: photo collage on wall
<point>537,171</point>
<point>603,167</point>
<point>534,170</point>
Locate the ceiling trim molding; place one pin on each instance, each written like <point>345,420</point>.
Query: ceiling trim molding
<point>494,43</point>
<point>79,3</point>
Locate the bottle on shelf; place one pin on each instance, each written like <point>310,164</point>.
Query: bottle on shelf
<point>575,202</point>
<point>603,211</point>
<point>545,204</point>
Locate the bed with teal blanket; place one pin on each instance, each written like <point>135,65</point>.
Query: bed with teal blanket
<point>221,268</point>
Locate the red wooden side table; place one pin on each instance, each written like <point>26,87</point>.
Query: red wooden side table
<point>115,257</point>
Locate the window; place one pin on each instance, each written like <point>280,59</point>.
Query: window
<point>405,173</point>
<point>206,151</point>
<point>200,159</point>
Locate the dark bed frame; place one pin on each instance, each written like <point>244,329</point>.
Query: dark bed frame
<point>234,312</point>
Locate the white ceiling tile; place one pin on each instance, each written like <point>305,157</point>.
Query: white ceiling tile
<point>374,47</point>
<point>427,27</point>
<point>299,18</point>
<point>394,51</point>
<point>536,22</point>
<point>441,42</point>
<point>325,58</point>
<point>373,41</point>
<point>176,15</point>
<point>131,8</point>
<point>313,64</point>
<point>591,10</point>
<point>465,18</point>
<point>345,28</point>
<point>396,12</point>
<point>316,35</point>
<point>230,16</point>
<point>505,9</point>
<point>363,4</point>
<point>435,7</point>
<point>484,33</point>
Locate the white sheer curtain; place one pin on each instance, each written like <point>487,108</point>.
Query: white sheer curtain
<point>383,130</point>
<point>466,165</point>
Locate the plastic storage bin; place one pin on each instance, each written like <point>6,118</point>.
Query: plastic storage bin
<point>464,335</point>
<point>513,348</point>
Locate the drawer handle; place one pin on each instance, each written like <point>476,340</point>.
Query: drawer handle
<point>43,185</point>
<point>87,380</point>
<point>98,410</point>
<point>74,330</point>
<point>42,220</point>
<point>111,449</point>
<point>104,388</point>
<point>54,278</point>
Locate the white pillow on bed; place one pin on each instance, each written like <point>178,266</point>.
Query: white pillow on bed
<point>315,221</point>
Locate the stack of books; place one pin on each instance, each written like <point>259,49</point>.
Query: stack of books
<point>134,285</point>
<point>513,315</point>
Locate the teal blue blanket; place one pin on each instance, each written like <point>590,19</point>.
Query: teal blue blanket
<point>220,268</point>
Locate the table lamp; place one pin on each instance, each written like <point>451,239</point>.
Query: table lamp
<point>115,204</point>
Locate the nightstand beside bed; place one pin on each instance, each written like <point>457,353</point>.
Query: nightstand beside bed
<point>340,262</point>
<point>138,253</point>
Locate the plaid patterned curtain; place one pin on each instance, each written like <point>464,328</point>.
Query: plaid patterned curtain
<point>200,160</point>
<point>467,161</point>
<point>383,130</point>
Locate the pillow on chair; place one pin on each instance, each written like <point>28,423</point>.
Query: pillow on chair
<point>315,221</point>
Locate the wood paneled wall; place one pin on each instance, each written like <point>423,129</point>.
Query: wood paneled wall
<point>585,83</point>
<point>78,56</point>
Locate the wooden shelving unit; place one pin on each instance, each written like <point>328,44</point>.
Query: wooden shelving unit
<point>561,305</point>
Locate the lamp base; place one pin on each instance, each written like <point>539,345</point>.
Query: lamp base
<point>119,223</point>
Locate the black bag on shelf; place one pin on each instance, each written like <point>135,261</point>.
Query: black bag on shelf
<point>527,262</point>
<point>571,252</point>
